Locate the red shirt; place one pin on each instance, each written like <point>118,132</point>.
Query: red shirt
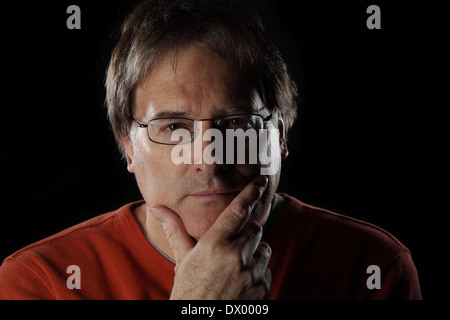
<point>316,254</point>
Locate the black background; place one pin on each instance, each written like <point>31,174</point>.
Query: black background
<point>365,145</point>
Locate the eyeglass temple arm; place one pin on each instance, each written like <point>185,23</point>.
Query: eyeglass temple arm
<point>140,125</point>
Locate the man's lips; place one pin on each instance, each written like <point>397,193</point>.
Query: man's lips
<point>215,194</point>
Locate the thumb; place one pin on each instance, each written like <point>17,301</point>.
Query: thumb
<point>179,240</point>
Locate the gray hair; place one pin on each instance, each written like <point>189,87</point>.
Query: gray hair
<point>230,28</point>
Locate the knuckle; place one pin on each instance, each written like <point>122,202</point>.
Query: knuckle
<point>265,249</point>
<point>168,231</point>
<point>263,253</point>
<point>171,230</point>
<point>241,210</point>
<point>254,227</point>
<point>248,199</point>
<point>258,191</point>
<point>252,230</point>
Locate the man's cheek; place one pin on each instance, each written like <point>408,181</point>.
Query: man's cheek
<point>153,184</point>
<point>269,154</point>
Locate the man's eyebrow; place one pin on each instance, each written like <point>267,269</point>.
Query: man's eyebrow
<point>163,114</point>
<point>225,111</point>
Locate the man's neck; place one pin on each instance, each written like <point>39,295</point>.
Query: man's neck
<point>155,234</point>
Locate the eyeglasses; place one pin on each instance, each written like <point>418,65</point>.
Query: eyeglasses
<point>161,130</point>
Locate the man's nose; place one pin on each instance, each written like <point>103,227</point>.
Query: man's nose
<point>206,155</point>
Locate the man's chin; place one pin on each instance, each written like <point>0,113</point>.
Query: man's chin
<point>200,218</point>
<point>197,229</point>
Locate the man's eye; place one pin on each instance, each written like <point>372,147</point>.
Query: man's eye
<point>175,126</point>
<point>238,123</point>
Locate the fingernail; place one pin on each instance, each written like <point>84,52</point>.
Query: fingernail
<point>157,215</point>
<point>261,181</point>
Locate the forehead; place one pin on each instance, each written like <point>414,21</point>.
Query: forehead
<point>199,84</point>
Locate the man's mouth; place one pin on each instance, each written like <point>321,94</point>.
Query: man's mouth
<point>215,195</point>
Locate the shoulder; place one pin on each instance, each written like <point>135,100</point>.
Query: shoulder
<point>80,239</point>
<point>339,252</point>
<point>337,230</point>
<point>93,226</point>
<point>36,270</point>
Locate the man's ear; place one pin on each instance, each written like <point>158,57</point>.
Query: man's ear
<point>129,152</point>
<point>283,144</point>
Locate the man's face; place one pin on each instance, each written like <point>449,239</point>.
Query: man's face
<point>202,86</point>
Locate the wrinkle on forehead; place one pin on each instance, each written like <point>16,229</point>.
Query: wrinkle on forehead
<point>200,82</point>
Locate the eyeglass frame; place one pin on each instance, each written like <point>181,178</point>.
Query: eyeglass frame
<point>143,125</point>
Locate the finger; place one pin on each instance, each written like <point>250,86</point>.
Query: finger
<point>261,261</point>
<point>180,241</point>
<point>248,242</point>
<point>268,282</point>
<point>232,219</point>
<point>260,290</point>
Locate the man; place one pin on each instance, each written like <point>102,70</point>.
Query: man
<point>207,229</point>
